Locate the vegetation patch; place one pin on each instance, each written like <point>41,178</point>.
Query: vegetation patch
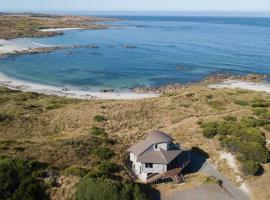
<point>241,103</point>
<point>18,180</point>
<point>106,189</point>
<point>242,138</point>
<point>100,118</point>
<point>75,171</point>
<point>103,152</point>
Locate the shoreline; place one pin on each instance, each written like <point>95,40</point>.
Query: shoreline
<point>26,86</point>
<point>71,92</point>
<point>59,29</point>
<point>238,84</point>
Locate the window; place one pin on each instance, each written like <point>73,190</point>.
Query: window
<point>148,165</point>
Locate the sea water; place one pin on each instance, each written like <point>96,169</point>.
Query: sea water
<point>165,50</point>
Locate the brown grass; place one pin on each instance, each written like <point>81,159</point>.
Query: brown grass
<point>42,133</point>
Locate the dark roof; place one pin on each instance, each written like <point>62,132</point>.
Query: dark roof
<point>159,157</point>
<point>154,137</point>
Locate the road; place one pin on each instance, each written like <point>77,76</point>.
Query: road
<point>229,187</point>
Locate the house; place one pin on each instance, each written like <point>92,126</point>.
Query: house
<point>158,157</point>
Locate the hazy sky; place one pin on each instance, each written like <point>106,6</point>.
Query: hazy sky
<point>135,5</point>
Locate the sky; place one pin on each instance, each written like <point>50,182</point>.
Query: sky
<point>136,5</point>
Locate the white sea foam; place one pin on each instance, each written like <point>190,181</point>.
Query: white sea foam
<point>260,87</point>
<point>59,29</point>
<point>26,86</point>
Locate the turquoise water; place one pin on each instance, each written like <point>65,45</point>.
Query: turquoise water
<point>168,50</point>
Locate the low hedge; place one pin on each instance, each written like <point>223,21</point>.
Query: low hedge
<point>106,189</point>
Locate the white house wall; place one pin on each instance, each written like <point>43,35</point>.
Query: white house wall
<point>157,168</point>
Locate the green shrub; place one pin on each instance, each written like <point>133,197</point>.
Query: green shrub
<point>227,128</point>
<point>251,135</point>
<point>255,152</point>
<point>259,111</point>
<point>30,189</point>
<point>107,189</point>
<point>103,152</point>
<point>251,122</point>
<point>107,167</point>
<point>230,118</point>
<point>241,103</point>
<point>249,167</point>
<point>4,117</point>
<point>98,132</point>
<point>209,129</point>
<point>75,171</point>
<point>99,118</point>
<point>210,96</point>
<point>266,117</point>
<point>17,181</point>
<point>260,103</point>
<point>267,127</point>
<point>231,143</point>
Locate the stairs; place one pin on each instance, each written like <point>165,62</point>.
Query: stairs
<point>171,174</point>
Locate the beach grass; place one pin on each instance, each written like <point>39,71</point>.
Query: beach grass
<point>58,130</point>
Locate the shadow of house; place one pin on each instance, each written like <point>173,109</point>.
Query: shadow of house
<point>198,158</point>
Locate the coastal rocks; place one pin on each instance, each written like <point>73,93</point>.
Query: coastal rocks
<point>106,90</point>
<point>213,79</point>
<point>128,46</point>
<point>159,90</point>
<point>35,50</point>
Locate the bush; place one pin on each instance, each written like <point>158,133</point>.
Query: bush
<point>266,117</point>
<point>243,138</point>
<point>260,111</point>
<point>17,181</point>
<point>231,143</point>
<point>251,122</point>
<point>260,103</point>
<point>251,135</point>
<point>255,152</point>
<point>209,129</point>
<point>4,117</point>
<point>99,118</point>
<point>29,189</point>
<point>249,167</point>
<point>107,167</point>
<point>103,152</point>
<point>75,171</point>
<point>227,128</point>
<point>98,132</point>
<point>267,127</point>
<point>107,189</point>
<point>230,118</point>
<point>241,103</point>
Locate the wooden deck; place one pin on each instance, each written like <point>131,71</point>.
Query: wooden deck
<point>173,174</point>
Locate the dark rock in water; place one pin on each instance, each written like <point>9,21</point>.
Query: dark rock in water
<point>106,90</point>
<point>181,68</point>
<point>129,46</point>
<point>92,46</point>
<point>65,89</point>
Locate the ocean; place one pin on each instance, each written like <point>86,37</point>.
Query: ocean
<point>165,50</point>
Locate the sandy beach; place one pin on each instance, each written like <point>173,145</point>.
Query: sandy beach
<point>59,29</point>
<point>246,85</point>
<point>25,86</point>
<point>9,47</point>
